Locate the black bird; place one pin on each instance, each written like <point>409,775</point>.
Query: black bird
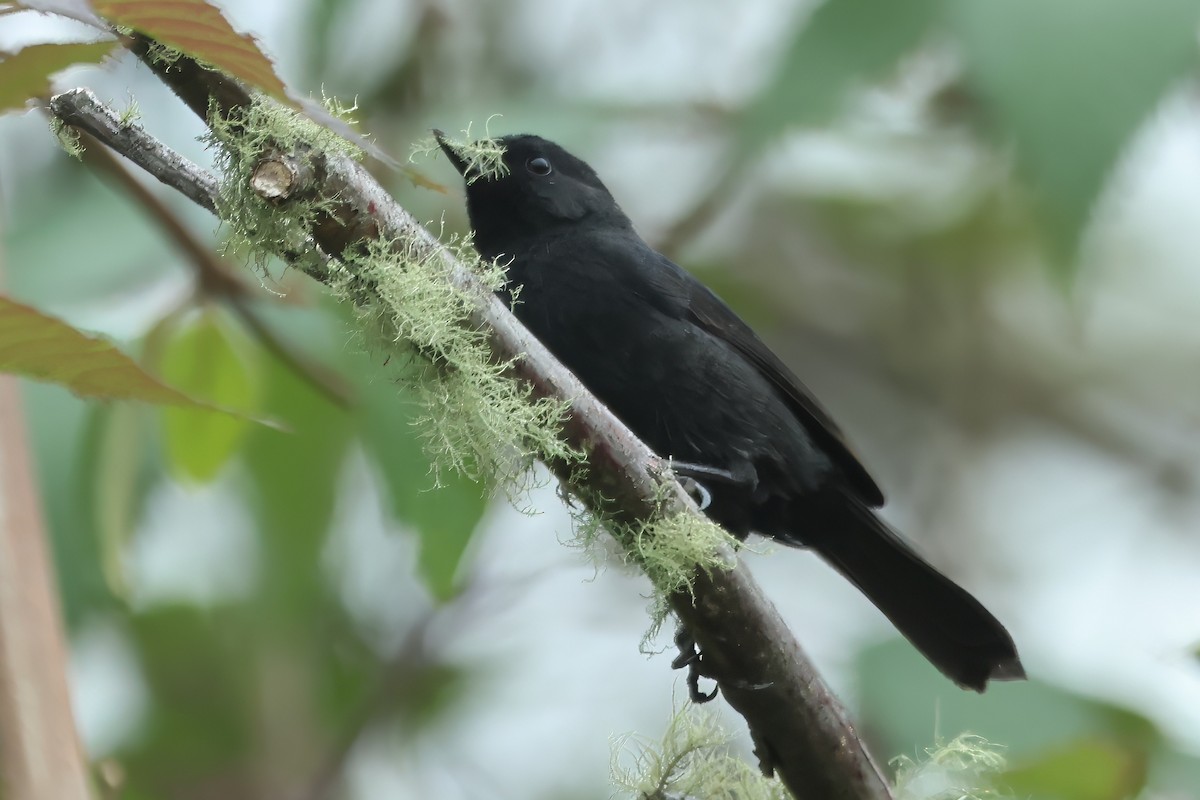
<point>690,378</point>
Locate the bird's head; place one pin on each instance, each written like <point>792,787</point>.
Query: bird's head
<point>531,187</point>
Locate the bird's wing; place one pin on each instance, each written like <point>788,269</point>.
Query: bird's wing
<point>708,312</point>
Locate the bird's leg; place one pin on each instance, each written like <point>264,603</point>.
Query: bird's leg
<point>697,490</point>
<point>691,657</point>
<point>687,469</point>
<point>689,477</point>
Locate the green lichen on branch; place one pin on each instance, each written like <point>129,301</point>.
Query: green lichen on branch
<point>68,138</point>
<point>478,420</point>
<point>161,54</point>
<point>671,548</point>
<point>240,142</point>
<point>961,769</point>
<point>692,760</point>
<point>483,158</point>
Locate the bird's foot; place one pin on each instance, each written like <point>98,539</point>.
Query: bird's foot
<point>691,657</point>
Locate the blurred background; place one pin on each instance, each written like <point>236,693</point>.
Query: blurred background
<point>971,228</point>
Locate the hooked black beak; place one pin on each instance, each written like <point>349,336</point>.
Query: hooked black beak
<point>448,148</point>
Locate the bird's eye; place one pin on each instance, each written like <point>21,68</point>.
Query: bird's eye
<point>538,166</point>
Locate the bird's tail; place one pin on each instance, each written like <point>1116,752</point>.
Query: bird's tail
<point>950,627</point>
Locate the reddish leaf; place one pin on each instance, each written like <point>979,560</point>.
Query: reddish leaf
<point>39,346</point>
<point>199,29</point>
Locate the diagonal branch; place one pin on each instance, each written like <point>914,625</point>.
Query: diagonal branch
<point>801,730</point>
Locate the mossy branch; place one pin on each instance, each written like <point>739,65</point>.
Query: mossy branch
<point>328,216</point>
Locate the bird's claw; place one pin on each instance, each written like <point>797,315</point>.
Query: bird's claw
<point>691,657</point>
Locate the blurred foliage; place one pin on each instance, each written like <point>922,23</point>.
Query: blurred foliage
<point>35,345</point>
<point>205,357</point>
<point>266,691</point>
<point>1068,83</point>
<point>443,512</point>
<point>843,46</point>
<point>1059,745</point>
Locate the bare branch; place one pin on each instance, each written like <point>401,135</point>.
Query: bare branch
<point>801,729</point>
<point>80,109</point>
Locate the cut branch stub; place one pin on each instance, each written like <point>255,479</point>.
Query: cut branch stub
<point>279,176</point>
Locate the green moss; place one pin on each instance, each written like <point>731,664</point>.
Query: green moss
<point>159,53</point>
<point>477,420</point>
<point>67,137</point>
<point>671,549</point>
<point>484,157</point>
<point>958,770</point>
<point>691,760</point>
<point>337,108</point>
<point>257,227</point>
<point>131,114</point>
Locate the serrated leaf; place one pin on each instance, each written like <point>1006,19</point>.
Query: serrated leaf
<point>1088,769</point>
<point>843,43</point>
<point>1069,82</point>
<point>203,358</point>
<point>199,29</point>
<point>26,73</point>
<point>38,346</point>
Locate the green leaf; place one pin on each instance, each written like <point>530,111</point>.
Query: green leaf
<point>843,44</point>
<point>38,346</point>
<point>1069,82</point>
<point>295,481</point>
<point>1088,769</point>
<point>26,74</point>
<point>204,359</point>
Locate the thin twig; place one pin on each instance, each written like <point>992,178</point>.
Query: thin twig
<point>800,727</point>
